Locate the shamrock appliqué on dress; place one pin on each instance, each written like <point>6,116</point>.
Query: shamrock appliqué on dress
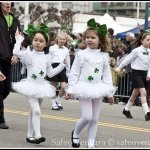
<point>96,70</point>
<point>34,76</point>
<point>41,73</point>
<point>61,47</point>
<point>145,53</point>
<point>90,78</point>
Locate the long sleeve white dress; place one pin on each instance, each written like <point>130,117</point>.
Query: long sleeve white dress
<point>90,75</point>
<point>38,65</point>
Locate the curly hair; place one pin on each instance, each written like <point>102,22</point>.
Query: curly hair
<point>104,44</point>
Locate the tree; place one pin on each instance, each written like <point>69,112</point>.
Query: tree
<point>37,13</point>
<point>66,20</point>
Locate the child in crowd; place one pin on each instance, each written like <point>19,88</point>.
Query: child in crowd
<point>113,72</point>
<point>90,81</point>
<point>59,52</point>
<point>35,87</point>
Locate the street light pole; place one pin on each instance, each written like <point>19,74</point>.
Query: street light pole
<point>146,14</point>
<point>27,17</point>
<point>138,7</point>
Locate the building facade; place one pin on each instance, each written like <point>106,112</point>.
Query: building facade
<point>122,8</point>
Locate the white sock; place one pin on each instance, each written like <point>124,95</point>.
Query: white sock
<point>145,108</point>
<point>90,143</point>
<point>54,103</point>
<point>58,99</point>
<point>128,105</point>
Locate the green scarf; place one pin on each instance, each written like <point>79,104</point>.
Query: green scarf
<point>9,20</point>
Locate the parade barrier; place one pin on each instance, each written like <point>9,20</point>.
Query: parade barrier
<point>16,72</point>
<point>124,84</point>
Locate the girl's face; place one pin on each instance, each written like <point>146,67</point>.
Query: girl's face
<point>115,43</point>
<point>5,7</point>
<point>39,42</point>
<point>92,40</point>
<point>146,41</point>
<point>113,62</point>
<point>62,41</point>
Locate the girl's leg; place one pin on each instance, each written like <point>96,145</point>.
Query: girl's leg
<point>131,100</point>
<point>60,94</point>
<point>86,110</point>
<point>30,132</point>
<point>35,116</point>
<point>54,105</point>
<point>143,100</point>
<point>63,86</point>
<point>92,128</point>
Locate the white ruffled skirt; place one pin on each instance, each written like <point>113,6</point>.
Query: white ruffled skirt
<point>34,89</point>
<point>84,90</point>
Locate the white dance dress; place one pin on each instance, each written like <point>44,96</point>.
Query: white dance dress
<point>90,75</point>
<point>38,65</point>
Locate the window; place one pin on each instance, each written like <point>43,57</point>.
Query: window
<point>67,5</point>
<point>96,6</point>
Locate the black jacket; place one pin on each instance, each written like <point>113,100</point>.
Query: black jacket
<point>7,37</point>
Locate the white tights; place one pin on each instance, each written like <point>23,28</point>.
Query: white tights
<point>34,118</point>
<point>90,110</point>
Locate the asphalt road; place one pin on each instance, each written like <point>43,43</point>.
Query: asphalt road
<point>114,130</point>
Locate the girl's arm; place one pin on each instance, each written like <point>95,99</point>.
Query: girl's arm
<point>53,71</point>
<point>22,55</point>
<point>148,72</point>
<point>68,64</point>
<point>107,77</point>
<point>74,73</point>
<point>128,59</point>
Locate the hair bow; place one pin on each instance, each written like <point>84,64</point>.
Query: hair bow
<point>32,30</point>
<point>101,29</point>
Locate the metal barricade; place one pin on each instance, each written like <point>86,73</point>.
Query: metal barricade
<point>124,84</point>
<point>16,72</point>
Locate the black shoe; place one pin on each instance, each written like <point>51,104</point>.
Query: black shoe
<point>31,140</point>
<point>91,147</point>
<point>59,105</point>
<point>55,108</point>
<point>3,126</point>
<point>147,116</point>
<point>74,145</point>
<point>127,113</point>
<point>39,140</point>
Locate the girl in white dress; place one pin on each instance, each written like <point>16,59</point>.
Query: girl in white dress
<point>59,52</point>
<point>35,87</point>
<point>90,81</point>
<point>139,58</point>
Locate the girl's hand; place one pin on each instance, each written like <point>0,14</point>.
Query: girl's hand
<point>67,96</point>
<point>14,60</point>
<point>117,70</point>
<point>111,100</point>
<point>147,78</point>
<point>19,36</point>
<point>65,62</point>
<point>2,77</point>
